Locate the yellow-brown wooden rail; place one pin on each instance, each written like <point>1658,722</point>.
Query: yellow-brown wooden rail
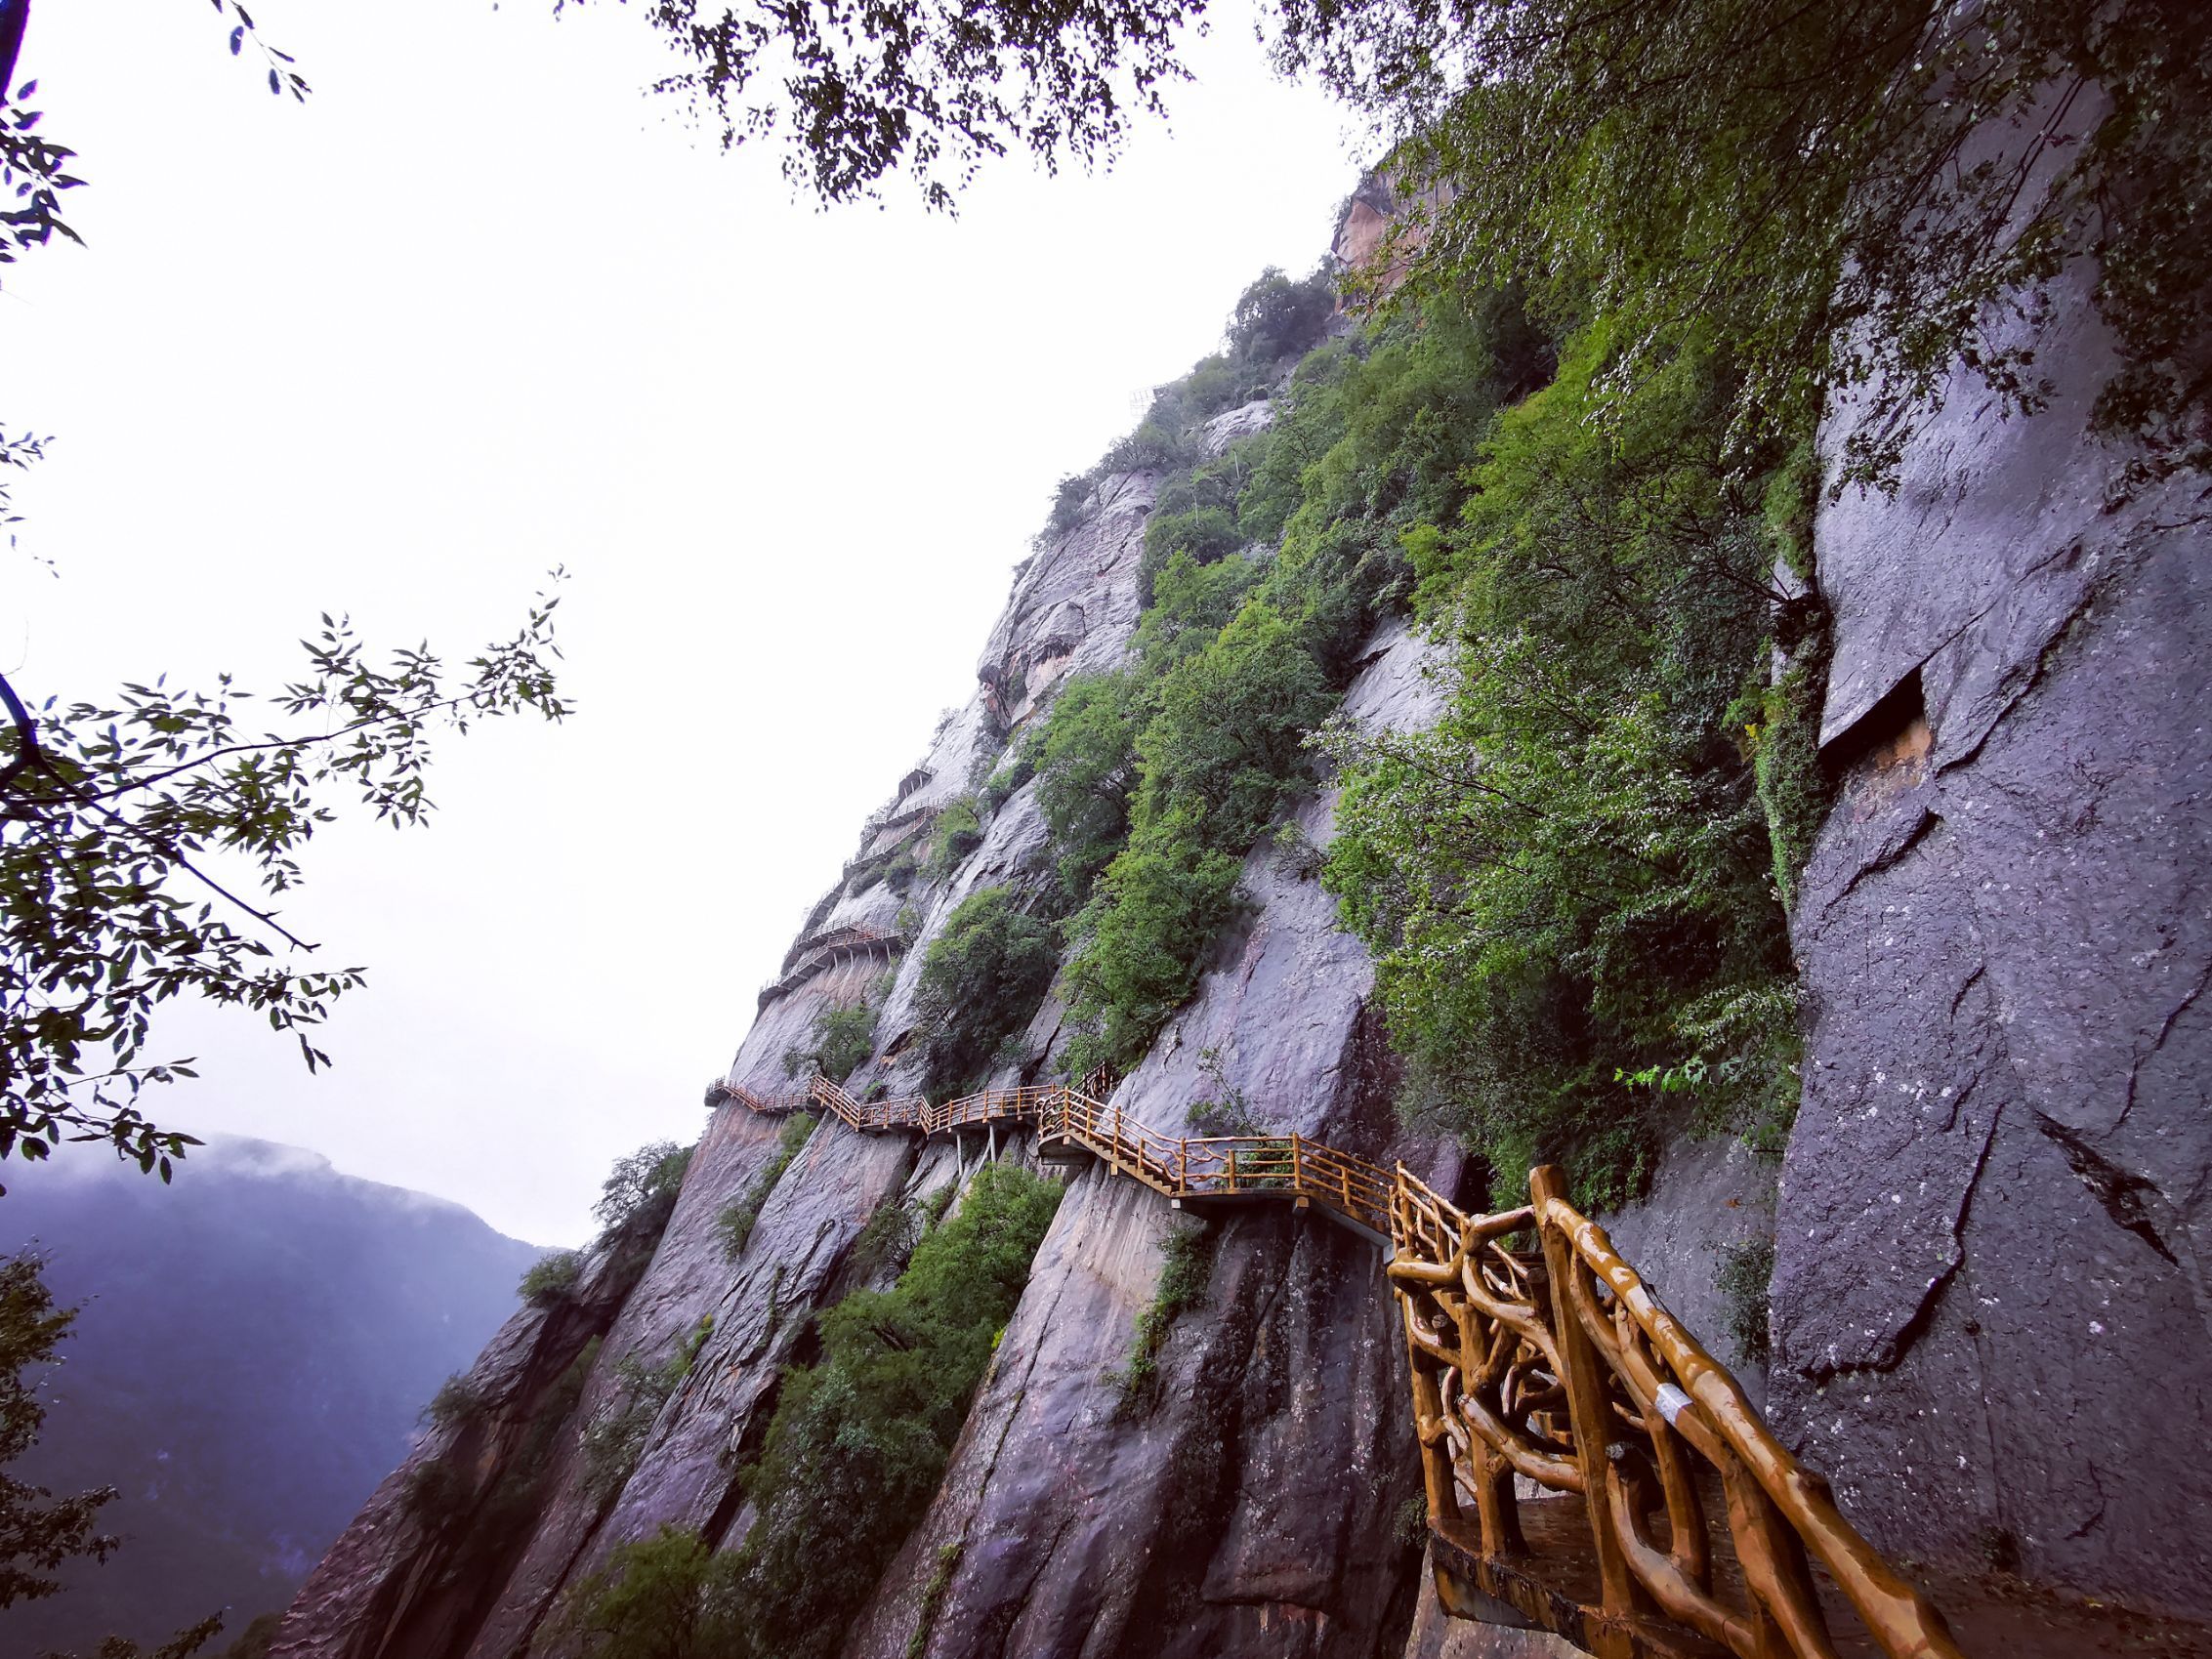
<point>1540,1364</point>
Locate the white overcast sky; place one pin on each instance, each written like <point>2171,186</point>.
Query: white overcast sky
<point>482,307</point>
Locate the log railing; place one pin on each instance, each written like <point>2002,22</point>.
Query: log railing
<point>1540,1359</point>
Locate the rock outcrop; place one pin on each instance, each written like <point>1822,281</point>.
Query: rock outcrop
<point>1990,1303</point>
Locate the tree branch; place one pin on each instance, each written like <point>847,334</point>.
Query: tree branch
<point>27,755</point>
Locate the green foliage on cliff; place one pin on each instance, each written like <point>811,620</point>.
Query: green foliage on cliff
<point>1748,1271</point>
<point>1277,318</point>
<point>639,1194</point>
<point>734,1223</point>
<point>667,1596</point>
<point>860,1439</point>
<point>1573,883</point>
<point>980,980</point>
<point>1569,880</point>
<point>840,1041</point>
<point>956,832</point>
<point>1157,781</point>
<point>552,1278</point>
<point>1085,763</point>
<point>1186,1264</point>
<point>615,1438</point>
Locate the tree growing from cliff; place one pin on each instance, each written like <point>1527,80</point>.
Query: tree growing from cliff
<point>640,1191</point>
<point>979,981</point>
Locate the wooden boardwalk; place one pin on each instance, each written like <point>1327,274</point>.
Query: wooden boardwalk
<point>1673,1524</point>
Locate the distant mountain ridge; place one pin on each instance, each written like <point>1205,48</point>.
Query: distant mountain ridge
<point>255,1344</point>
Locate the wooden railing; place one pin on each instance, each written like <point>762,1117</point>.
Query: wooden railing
<point>1535,1352</point>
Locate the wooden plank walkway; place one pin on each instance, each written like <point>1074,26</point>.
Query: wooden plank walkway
<point>1674,1524</point>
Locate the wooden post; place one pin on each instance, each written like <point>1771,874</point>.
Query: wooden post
<point>1297,1167</point>
<point>1585,1385</point>
<point>1429,1424</point>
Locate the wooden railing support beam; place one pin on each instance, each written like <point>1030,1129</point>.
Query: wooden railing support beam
<point>1589,1413</point>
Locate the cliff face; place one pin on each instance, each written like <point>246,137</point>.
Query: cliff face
<point>1257,1508</point>
<point>1990,1303</point>
<point>1991,1299</point>
<point>1252,1510</point>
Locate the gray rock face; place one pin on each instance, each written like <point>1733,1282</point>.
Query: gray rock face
<point>1074,603</point>
<point>388,1585</point>
<point>1250,1511</point>
<point>1707,1198</point>
<point>1990,1302</point>
<point>1232,426</point>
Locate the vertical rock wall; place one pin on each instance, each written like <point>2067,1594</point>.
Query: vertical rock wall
<point>1990,1304</point>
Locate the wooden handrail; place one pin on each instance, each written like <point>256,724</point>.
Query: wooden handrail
<point>1552,1361</point>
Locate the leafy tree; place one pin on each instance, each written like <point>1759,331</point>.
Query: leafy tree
<point>981,978</point>
<point>1201,533</point>
<point>840,1039</point>
<point>1228,733</point>
<point>1280,316</point>
<point>956,832</point>
<point>640,1191</point>
<point>667,1596</point>
<point>39,1531</point>
<point>855,93</point>
<point>1157,908</point>
<point>1085,762</point>
<point>1192,603</point>
<point>1813,187</point>
<point>178,1647</point>
<point>123,828</point>
<point>551,1280</point>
